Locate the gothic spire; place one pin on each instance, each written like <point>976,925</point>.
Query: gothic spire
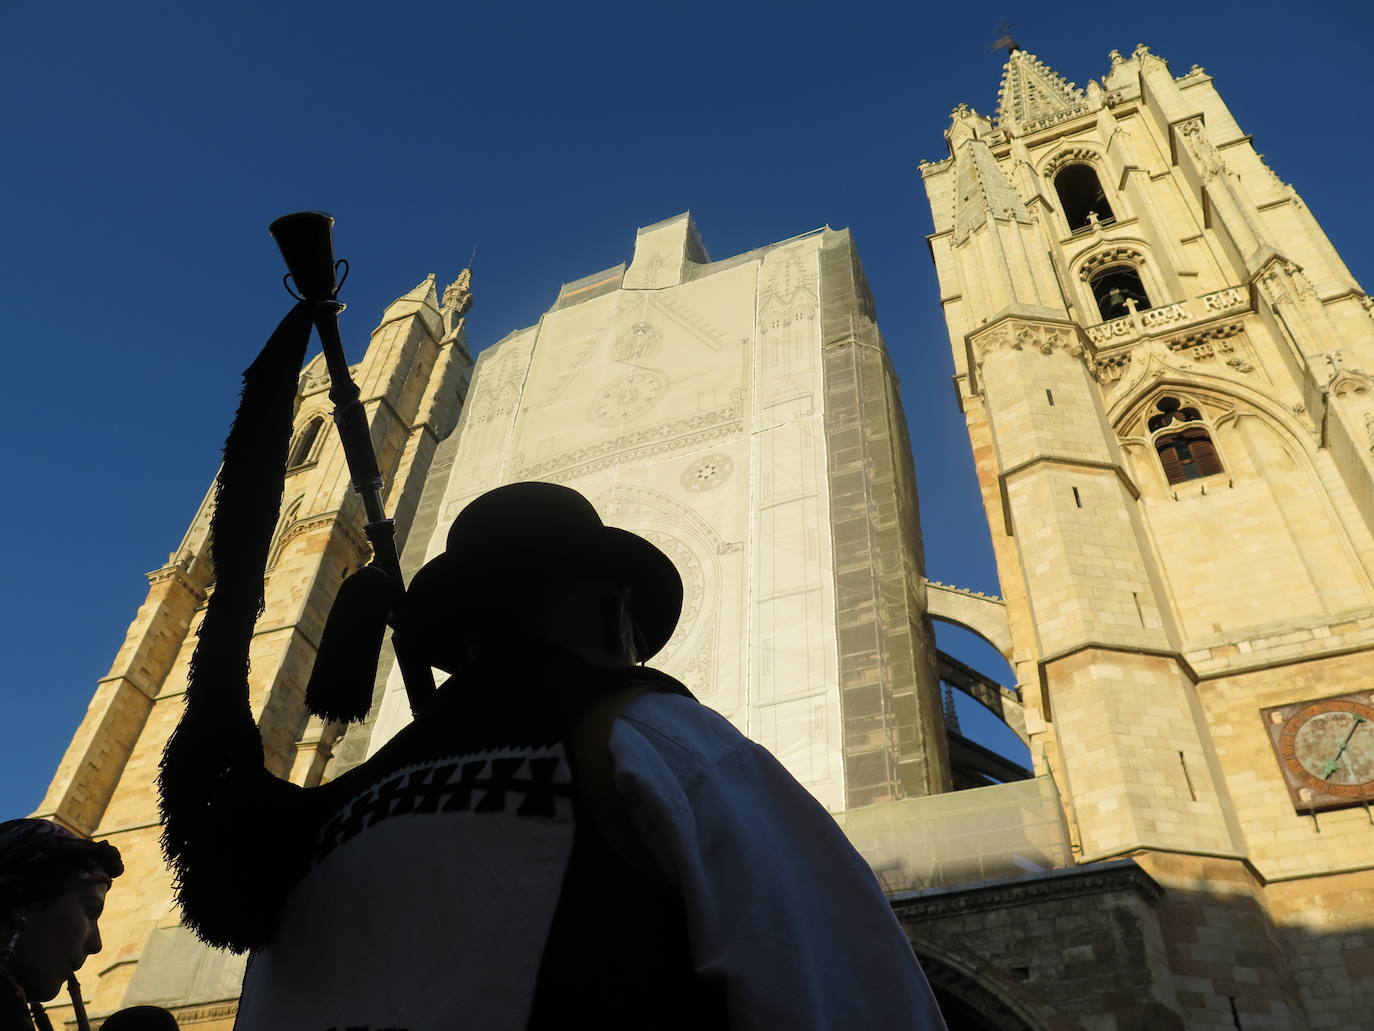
<point>1031,90</point>
<point>458,299</point>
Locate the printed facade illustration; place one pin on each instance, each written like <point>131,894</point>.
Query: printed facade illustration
<point>742,415</point>
<point>1161,360</point>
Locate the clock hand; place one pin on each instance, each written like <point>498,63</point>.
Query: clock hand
<point>1330,767</point>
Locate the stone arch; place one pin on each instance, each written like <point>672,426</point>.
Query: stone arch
<point>978,613</point>
<point>1077,177</point>
<point>975,996</point>
<point>1078,155</point>
<point>1118,252</point>
<point>1220,396</point>
<point>1217,403</point>
<point>1121,264</point>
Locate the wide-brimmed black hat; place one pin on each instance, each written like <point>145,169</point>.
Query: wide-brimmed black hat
<point>522,535</point>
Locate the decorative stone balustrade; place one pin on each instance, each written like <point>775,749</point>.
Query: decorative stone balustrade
<point>1168,317</point>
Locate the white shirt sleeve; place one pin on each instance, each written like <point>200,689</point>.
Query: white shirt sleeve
<point>782,912</point>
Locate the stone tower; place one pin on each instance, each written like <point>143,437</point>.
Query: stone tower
<point>1161,360</point>
<point>742,415</point>
<point>412,378</point>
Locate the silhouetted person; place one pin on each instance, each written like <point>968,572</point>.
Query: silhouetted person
<point>140,1018</point>
<point>52,891</point>
<point>560,839</point>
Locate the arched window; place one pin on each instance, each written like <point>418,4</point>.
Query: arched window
<point>300,450</point>
<point>288,517</point>
<point>1113,286</point>
<point>1185,447</point>
<point>1081,197</point>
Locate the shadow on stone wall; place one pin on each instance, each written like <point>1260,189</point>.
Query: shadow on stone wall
<point>1190,943</point>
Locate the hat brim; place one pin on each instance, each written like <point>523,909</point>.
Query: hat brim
<point>453,587</point>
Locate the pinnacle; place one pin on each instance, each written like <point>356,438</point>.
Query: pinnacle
<point>1031,89</point>
<point>423,292</point>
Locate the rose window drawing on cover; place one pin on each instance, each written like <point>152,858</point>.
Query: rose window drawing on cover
<point>708,472</point>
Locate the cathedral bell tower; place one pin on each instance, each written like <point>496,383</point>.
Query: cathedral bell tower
<point>412,378</point>
<point>1161,360</point>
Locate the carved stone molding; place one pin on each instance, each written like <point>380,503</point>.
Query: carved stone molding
<point>1054,119</point>
<point>1348,383</point>
<point>1058,884</point>
<point>312,524</point>
<point>1282,280</point>
<point>1224,343</point>
<point>178,574</point>
<point>1200,146</point>
<point>1110,256</point>
<point>1111,368</point>
<point>187,1015</point>
<point>1221,331</point>
<point>1070,156</point>
<point>1023,336</point>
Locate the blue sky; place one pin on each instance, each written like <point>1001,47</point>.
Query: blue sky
<point>148,146</point>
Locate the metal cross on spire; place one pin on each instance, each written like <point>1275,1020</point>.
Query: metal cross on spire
<point>1005,40</point>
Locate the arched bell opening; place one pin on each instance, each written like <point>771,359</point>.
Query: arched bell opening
<point>1117,289</point>
<point>1082,198</point>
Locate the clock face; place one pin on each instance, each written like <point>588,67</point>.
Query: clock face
<point>1325,749</point>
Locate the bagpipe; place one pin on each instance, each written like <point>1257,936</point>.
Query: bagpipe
<point>224,814</point>
<point>340,685</point>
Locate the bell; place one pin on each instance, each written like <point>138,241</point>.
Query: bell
<point>306,242</point>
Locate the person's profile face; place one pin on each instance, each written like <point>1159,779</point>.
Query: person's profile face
<point>58,935</point>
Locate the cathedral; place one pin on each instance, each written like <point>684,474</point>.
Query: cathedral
<point>1161,362</point>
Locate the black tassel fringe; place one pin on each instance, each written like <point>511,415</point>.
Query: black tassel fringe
<point>220,823</point>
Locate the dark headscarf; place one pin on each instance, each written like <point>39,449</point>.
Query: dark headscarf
<point>39,859</point>
<point>141,1018</point>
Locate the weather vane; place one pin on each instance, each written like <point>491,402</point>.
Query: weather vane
<point>1005,40</point>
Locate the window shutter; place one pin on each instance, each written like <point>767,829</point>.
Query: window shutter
<point>1168,457</point>
<point>1204,454</point>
